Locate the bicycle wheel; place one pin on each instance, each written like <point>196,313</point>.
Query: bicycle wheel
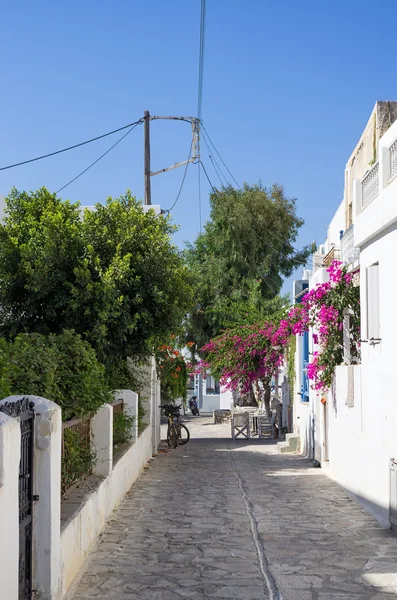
<point>183,435</point>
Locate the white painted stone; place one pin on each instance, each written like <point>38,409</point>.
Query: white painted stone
<point>130,400</point>
<point>46,518</point>
<point>102,440</point>
<point>10,444</point>
<point>81,532</point>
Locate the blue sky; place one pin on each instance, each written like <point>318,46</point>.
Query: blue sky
<point>288,88</point>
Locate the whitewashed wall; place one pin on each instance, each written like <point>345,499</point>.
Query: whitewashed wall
<point>362,437</point>
<point>82,531</point>
<point>10,448</point>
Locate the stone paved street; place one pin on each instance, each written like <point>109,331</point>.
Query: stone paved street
<point>223,519</point>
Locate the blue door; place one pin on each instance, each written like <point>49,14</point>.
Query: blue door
<point>305,362</point>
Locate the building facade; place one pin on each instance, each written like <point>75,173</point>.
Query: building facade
<point>352,432</point>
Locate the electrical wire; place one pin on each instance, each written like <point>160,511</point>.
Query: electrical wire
<point>99,137</point>
<point>199,191</point>
<point>200,92</point>
<point>97,160</point>
<point>216,171</point>
<point>168,210</point>
<point>201,60</point>
<point>223,162</point>
<point>216,166</point>
<point>206,174</point>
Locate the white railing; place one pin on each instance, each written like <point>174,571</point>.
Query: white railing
<point>393,160</point>
<point>347,249</point>
<point>370,186</point>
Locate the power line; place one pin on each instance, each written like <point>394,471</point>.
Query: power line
<point>223,162</point>
<point>206,174</point>
<point>200,91</point>
<point>99,137</point>
<point>199,191</point>
<point>98,159</point>
<point>216,171</point>
<point>201,60</point>
<point>183,181</point>
<point>216,166</point>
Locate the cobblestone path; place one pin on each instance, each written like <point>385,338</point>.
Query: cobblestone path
<point>223,519</point>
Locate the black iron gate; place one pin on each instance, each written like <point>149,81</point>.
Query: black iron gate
<point>23,410</point>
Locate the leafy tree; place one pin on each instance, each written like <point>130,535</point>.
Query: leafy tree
<point>242,256</point>
<point>112,274</point>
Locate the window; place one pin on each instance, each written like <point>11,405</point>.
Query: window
<point>373,328</point>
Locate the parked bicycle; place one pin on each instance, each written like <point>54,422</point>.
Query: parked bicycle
<point>177,432</point>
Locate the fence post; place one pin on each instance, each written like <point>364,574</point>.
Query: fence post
<point>46,516</point>
<point>10,448</point>
<point>102,431</point>
<point>130,400</point>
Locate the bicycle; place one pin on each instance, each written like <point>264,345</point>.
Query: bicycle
<point>177,432</point>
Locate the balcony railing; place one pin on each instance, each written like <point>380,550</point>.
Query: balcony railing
<point>347,250</point>
<point>393,160</point>
<point>370,186</point>
<point>333,254</point>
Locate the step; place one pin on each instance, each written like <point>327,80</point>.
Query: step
<point>291,445</point>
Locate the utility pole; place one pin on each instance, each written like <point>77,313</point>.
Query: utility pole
<point>194,153</point>
<point>146,121</point>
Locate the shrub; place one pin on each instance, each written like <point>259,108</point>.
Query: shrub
<point>62,368</point>
<point>122,429</point>
<point>80,378</point>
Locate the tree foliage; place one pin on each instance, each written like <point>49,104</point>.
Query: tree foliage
<point>63,368</point>
<point>112,274</point>
<point>241,257</point>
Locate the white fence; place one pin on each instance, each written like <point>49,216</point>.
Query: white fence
<point>59,547</point>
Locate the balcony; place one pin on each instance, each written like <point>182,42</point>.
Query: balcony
<point>393,160</point>
<point>370,186</point>
<point>333,254</point>
<point>349,253</point>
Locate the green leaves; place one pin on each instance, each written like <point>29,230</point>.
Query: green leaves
<point>238,262</point>
<point>63,368</point>
<point>112,274</point>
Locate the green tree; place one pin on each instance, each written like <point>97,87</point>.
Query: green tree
<point>112,274</point>
<point>240,259</point>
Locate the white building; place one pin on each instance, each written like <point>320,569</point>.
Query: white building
<point>353,434</point>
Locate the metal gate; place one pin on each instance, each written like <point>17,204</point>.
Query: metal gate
<point>23,410</point>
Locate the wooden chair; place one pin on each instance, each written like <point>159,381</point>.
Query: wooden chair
<point>240,425</point>
<point>265,427</point>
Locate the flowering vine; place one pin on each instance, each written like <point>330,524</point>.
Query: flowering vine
<point>325,307</point>
<point>243,356</point>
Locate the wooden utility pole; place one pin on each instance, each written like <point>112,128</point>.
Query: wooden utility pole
<point>194,155</point>
<point>146,121</point>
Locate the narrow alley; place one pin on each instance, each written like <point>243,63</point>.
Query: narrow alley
<point>224,519</point>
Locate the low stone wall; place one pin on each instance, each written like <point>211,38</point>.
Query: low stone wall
<point>86,511</point>
<point>222,416</point>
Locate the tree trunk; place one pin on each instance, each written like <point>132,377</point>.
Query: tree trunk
<point>266,397</point>
<point>257,392</point>
<point>248,399</point>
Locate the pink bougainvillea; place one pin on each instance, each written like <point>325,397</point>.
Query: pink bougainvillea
<point>245,355</point>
